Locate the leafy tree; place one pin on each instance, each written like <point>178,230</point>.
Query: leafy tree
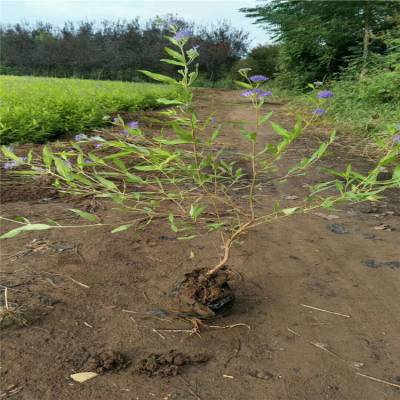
<point>261,59</point>
<point>319,38</point>
<point>112,50</point>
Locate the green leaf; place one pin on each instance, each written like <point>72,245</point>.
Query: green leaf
<point>26,172</point>
<point>172,141</point>
<point>122,228</point>
<point>133,178</point>
<point>244,84</point>
<point>158,77</point>
<point>120,164</point>
<point>63,168</point>
<point>171,220</point>
<point>168,102</point>
<point>52,222</point>
<point>182,133</point>
<point>30,227</point>
<point>249,135</point>
<point>106,183</point>
<point>186,237</point>
<point>29,156</point>
<point>289,211</point>
<point>216,225</point>
<point>215,134</point>
<point>82,179</point>
<point>9,154</point>
<point>173,62</point>
<point>47,156</point>
<point>265,118</point>
<point>147,167</point>
<point>396,173</point>
<point>96,159</point>
<point>196,210</point>
<point>174,54</point>
<point>84,215</point>
<point>280,130</point>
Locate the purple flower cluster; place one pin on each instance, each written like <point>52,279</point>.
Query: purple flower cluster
<point>81,137</point>
<point>14,163</point>
<point>325,94</point>
<point>319,111</point>
<point>10,164</point>
<point>256,92</point>
<point>396,139</point>
<point>258,78</point>
<point>183,34</point>
<point>133,125</point>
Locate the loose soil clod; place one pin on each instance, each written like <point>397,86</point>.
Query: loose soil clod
<point>106,361</point>
<point>168,364</point>
<point>203,296</point>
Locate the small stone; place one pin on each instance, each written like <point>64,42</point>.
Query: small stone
<point>370,263</point>
<point>338,229</point>
<point>392,264</point>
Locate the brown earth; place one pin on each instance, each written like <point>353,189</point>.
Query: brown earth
<point>88,299</point>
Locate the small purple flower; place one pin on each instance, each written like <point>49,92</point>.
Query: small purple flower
<point>80,137</point>
<point>115,120</point>
<point>14,163</point>
<point>325,94</point>
<point>259,78</point>
<point>133,125</point>
<point>396,139</point>
<point>183,34</point>
<point>98,145</point>
<point>247,93</point>
<point>264,94</point>
<point>213,120</point>
<point>319,111</point>
<point>10,164</point>
<point>258,92</point>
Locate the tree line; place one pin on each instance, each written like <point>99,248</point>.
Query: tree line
<point>320,39</point>
<point>113,50</point>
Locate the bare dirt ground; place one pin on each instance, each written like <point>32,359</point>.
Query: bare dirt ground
<point>91,300</point>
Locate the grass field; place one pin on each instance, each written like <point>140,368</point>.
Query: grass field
<point>41,109</point>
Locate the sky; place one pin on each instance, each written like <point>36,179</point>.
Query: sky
<point>198,11</point>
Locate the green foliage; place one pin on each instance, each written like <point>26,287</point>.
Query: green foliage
<point>223,83</point>
<point>261,60</point>
<point>42,109</point>
<point>319,38</point>
<point>180,175</point>
<point>113,50</point>
<point>368,105</point>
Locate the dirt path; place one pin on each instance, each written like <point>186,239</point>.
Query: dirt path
<point>282,349</point>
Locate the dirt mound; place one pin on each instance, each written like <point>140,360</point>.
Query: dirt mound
<point>106,361</point>
<point>168,364</point>
<point>201,296</point>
